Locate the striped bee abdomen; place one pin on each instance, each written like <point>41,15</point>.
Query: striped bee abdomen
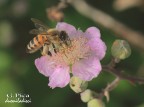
<point>36,43</point>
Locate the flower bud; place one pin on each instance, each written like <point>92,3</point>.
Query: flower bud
<point>78,85</point>
<point>120,49</point>
<point>95,103</point>
<point>55,14</point>
<point>87,95</point>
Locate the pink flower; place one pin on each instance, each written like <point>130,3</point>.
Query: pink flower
<point>82,58</point>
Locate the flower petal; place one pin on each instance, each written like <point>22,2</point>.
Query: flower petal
<point>92,32</point>
<point>45,66</point>
<point>98,47</point>
<point>71,30</point>
<point>87,69</point>
<point>60,77</point>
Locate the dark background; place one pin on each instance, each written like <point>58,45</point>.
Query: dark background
<point>18,73</point>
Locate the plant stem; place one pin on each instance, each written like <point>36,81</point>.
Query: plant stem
<point>119,74</point>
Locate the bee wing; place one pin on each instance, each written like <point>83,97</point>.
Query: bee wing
<point>34,31</point>
<point>39,25</point>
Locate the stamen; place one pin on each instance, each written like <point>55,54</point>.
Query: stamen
<point>77,50</point>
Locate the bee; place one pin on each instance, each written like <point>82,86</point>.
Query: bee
<point>49,38</point>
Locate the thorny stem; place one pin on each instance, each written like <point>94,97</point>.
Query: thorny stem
<point>109,88</point>
<point>119,74</point>
<point>111,69</point>
<point>112,85</point>
<point>112,63</point>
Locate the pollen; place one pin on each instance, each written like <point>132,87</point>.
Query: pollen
<point>74,52</point>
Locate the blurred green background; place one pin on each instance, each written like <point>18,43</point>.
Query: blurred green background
<point>18,73</point>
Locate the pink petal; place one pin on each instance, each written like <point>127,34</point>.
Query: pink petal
<point>45,66</point>
<point>60,77</point>
<point>98,47</point>
<point>92,32</point>
<point>87,69</point>
<point>62,26</point>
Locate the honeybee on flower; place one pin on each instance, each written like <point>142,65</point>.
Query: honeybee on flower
<point>81,58</point>
<point>48,38</point>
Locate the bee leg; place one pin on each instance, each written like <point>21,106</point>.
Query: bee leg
<point>45,50</point>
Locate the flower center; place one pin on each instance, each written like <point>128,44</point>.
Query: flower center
<point>76,51</point>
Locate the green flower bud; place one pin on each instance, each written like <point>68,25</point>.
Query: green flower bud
<point>95,103</point>
<point>120,49</point>
<point>78,85</point>
<point>87,95</point>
